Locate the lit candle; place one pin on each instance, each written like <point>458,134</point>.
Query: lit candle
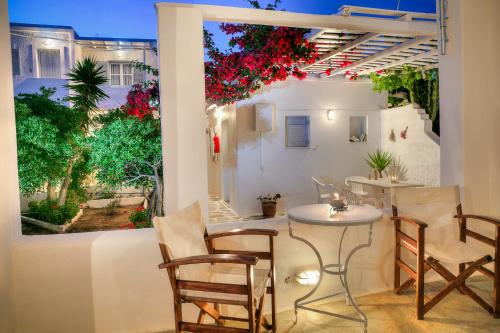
<point>337,204</point>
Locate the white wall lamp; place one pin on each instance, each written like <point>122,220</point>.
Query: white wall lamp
<point>330,114</point>
<point>219,113</point>
<point>306,278</point>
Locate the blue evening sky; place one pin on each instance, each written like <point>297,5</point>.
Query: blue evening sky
<point>137,19</point>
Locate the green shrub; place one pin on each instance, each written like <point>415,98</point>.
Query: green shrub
<point>49,211</point>
<point>139,218</point>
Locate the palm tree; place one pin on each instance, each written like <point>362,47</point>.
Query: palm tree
<point>85,80</point>
<point>85,93</point>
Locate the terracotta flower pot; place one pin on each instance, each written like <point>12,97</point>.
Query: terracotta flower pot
<point>269,209</point>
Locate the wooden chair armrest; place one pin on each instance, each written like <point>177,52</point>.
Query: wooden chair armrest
<point>239,232</point>
<point>488,219</point>
<point>415,222</point>
<point>212,259</point>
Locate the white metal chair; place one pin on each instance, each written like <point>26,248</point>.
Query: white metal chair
<point>429,224</point>
<point>324,187</point>
<point>205,276</point>
<point>356,187</point>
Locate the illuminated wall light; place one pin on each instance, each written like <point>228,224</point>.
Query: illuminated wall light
<point>306,278</point>
<point>330,114</point>
<point>219,113</point>
<point>48,42</point>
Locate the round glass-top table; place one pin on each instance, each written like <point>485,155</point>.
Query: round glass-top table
<point>322,215</point>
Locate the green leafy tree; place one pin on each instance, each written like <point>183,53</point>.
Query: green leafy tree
<point>127,152</point>
<point>420,87</point>
<point>85,80</point>
<point>42,149</point>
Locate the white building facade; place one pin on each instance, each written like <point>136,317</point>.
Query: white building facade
<point>43,54</point>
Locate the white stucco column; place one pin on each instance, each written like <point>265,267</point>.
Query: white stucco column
<point>182,93</point>
<point>9,192</point>
<point>470,104</point>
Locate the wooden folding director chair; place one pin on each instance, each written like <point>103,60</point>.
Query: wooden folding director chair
<point>434,216</point>
<point>207,277</point>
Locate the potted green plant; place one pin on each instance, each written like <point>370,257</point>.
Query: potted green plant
<point>269,204</point>
<point>378,161</point>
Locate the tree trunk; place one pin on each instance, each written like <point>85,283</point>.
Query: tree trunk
<point>51,192</point>
<point>66,182</point>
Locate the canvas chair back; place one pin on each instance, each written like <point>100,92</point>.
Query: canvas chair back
<point>435,206</point>
<point>182,234</point>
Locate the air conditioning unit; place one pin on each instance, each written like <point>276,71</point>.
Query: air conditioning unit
<point>264,117</point>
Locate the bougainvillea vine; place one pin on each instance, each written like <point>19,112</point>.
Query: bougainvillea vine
<point>257,55</point>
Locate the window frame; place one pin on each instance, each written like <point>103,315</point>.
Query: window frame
<point>121,75</point>
<point>15,58</point>
<point>306,128</point>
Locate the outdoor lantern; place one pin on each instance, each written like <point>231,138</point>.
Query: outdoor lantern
<point>219,113</point>
<point>308,278</point>
<point>330,114</point>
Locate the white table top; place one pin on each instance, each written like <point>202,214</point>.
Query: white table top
<point>320,214</point>
<point>385,183</point>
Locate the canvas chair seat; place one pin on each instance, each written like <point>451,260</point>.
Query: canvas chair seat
<point>224,273</point>
<point>452,252</point>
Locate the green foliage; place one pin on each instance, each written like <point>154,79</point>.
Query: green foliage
<point>139,218</point>
<point>85,79</point>
<point>111,207</point>
<point>42,150</point>
<point>422,87</point>
<point>123,151</point>
<point>49,211</point>
<point>269,198</point>
<point>379,160</point>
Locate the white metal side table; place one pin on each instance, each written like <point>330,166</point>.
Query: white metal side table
<point>321,215</point>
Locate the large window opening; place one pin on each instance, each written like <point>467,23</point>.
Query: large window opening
<point>49,62</point>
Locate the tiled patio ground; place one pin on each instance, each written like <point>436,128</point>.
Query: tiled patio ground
<point>388,313</point>
<point>220,211</point>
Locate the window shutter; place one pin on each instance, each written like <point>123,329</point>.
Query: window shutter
<point>104,66</point>
<point>139,75</point>
<point>67,65</point>
<point>16,69</point>
<point>50,63</point>
<point>30,58</point>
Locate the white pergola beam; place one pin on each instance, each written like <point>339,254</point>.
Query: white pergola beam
<point>381,55</point>
<point>401,62</point>
<point>343,48</point>
<point>309,21</point>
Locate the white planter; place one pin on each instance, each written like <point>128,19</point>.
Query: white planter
<point>59,228</point>
<point>103,203</point>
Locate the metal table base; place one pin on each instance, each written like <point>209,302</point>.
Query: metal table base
<point>333,269</point>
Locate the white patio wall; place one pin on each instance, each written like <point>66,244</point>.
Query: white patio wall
<point>423,167</point>
<point>289,170</point>
<point>117,264</point>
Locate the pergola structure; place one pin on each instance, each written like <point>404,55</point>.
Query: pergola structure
<point>370,42</point>
<point>358,52</point>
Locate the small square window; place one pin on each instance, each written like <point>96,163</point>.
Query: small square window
<point>297,131</point>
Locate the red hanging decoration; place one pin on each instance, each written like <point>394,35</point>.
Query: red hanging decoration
<point>216,144</point>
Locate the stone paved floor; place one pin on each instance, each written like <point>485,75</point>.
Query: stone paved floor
<point>220,211</point>
<point>388,313</point>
